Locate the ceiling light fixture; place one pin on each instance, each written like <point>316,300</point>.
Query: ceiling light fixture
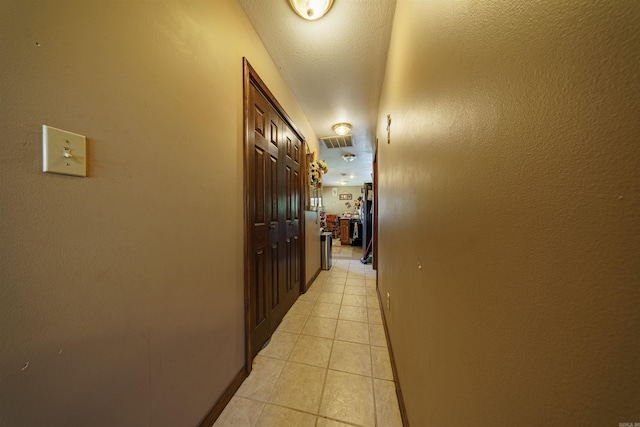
<point>348,157</point>
<point>341,128</point>
<point>311,9</point>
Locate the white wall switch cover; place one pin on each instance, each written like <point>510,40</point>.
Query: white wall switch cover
<point>63,152</point>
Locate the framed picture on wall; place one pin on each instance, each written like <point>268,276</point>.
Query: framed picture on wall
<point>345,197</point>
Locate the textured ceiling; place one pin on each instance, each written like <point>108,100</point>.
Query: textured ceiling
<point>334,67</point>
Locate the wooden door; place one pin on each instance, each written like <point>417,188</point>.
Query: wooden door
<point>265,275</point>
<point>274,226</point>
<point>293,199</point>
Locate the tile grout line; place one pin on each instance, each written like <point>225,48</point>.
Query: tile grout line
<point>369,345</point>
<point>268,398</point>
<point>373,383</point>
<point>341,282</point>
<point>299,332</point>
<point>326,373</point>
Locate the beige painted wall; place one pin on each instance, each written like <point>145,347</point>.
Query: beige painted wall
<point>514,164</point>
<point>333,204</point>
<point>121,294</point>
<point>312,245</point>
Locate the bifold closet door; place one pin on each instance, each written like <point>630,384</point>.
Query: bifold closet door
<point>274,188</point>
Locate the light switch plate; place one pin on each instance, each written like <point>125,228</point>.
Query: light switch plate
<point>63,152</point>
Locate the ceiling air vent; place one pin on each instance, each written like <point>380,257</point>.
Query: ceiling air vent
<point>337,141</point>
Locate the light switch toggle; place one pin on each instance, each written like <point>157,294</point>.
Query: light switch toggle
<point>63,152</point>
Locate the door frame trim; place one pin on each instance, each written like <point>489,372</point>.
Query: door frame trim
<point>374,237</point>
<point>250,76</point>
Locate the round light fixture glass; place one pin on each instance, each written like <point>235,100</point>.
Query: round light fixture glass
<point>348,157</point>
<point>341,128</point>
<point>311,9</point>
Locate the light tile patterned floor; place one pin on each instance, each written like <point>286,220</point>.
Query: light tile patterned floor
<point>327,364</point>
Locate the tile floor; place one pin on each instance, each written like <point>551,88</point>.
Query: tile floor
<point>327,364</point>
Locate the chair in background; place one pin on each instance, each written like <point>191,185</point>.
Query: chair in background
<point>333,226</point>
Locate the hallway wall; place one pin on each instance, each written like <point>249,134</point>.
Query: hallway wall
<point>509,211</point>
<point>121,294</point>
<point>333,204</point>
